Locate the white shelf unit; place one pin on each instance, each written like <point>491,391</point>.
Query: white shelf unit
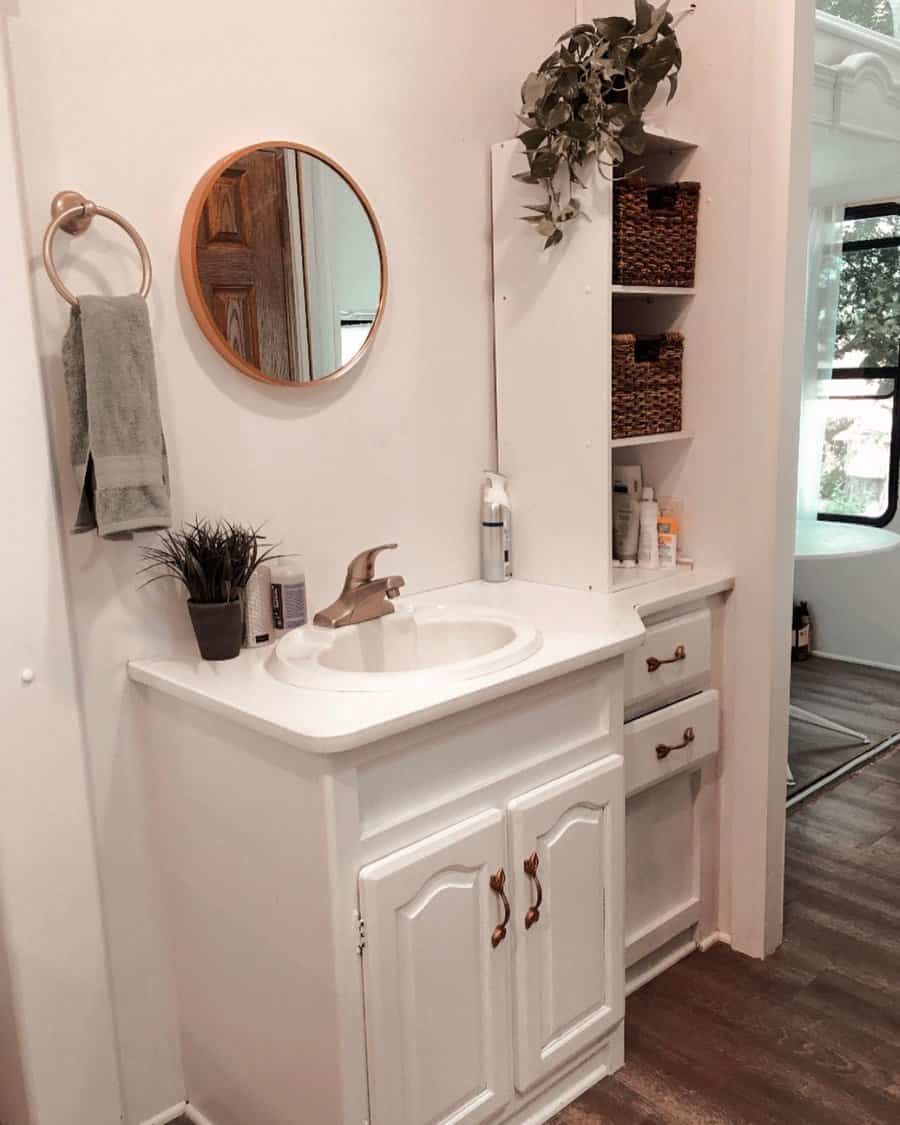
<point>553,315</point>
<point>553,321</point>
<point>650,292</point>
<point>660,140</point>
<point>627,578</point>
<point>651,439</point>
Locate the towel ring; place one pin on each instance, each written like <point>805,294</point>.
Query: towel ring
<point>73,213</point>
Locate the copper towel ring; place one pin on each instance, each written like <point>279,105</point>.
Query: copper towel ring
<point>74,213</point>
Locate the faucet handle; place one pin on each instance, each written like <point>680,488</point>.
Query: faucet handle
<point>362,568</point>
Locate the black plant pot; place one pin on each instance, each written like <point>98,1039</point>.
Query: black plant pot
<point>218,628</point>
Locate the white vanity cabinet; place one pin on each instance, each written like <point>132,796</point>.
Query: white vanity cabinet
<point>451,1029</point>
<point>437,989</point>
<point>672,736</point>
<point>425,930</point>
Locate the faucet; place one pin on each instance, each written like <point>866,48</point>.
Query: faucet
<point>364,597</point>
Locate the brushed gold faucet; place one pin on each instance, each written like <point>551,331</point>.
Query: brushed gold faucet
<point>364,597</point>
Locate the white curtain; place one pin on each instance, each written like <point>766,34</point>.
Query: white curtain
<point>823,290</point>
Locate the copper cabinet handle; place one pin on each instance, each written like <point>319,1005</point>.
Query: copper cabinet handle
<point>663,751</point>
<point>534,912</point>
<point>654,664</point>
<point>498,882</point>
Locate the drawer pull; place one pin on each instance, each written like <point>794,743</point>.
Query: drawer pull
<point>498,882</point>
<point>654,664</point>
<point>534,912</point>
<point>663,751</point>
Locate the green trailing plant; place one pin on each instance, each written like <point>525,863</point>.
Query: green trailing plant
<point>586,102</point>
<point>214,561</point>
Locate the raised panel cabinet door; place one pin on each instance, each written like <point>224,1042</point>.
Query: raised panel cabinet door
<point>436,978</point>
<point>567,860</point>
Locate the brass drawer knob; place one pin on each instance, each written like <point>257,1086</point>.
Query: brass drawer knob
<point>663,751</point>
<point>498,883</point>
<point>654,664</point>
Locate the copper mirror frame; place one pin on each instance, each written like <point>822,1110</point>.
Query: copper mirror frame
<point>190,274</point>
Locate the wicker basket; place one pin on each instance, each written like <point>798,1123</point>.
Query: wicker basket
<point>646,384</point>
<point>655,234</point>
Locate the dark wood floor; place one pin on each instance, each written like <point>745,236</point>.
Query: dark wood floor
<point>811,1036</point>
<point>864,699</point>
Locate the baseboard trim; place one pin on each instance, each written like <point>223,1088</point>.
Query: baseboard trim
<point>195,1116</point>
<point>167,1115</point>
<point>855,660</point>
<point>717,938</point>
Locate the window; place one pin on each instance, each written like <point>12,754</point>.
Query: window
<point>876,15</point>
<point>861,454</point>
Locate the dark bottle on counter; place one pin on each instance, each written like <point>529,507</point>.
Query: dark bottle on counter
<point>801,633</point>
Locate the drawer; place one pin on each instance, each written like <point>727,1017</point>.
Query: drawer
<point>671,741</point>
<point>673,653</point>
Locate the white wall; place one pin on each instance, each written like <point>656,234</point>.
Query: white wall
<point>57,1051</point>
<point>130,104</point>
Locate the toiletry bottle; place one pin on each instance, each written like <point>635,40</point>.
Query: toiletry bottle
<point>288,594</point>
<point>496,530</point>
<point>648,549</point>
<point>259,625</point>
<point>627,483</point>
<point>801,648</point>
<point>626,517</point>
<point>668,540</point>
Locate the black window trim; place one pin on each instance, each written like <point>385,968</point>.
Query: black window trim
<point>875,211</point>
<point>840,373</point>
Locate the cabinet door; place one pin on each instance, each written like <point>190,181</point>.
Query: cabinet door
<point>569,963</point>
<point>436,987</point>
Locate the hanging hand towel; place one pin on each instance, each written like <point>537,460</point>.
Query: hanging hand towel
<point>117,444</point>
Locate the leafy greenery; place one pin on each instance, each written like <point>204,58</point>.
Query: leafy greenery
<point>868,319</point>
<point>877,15</point>
<point>214,561</point>
<point>587,100</point>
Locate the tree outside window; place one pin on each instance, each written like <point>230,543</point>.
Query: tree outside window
<point>876,15</point>
<point>859,478</point>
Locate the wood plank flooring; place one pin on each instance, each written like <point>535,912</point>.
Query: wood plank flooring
<point>864,699</point>
<point>811,1036</point>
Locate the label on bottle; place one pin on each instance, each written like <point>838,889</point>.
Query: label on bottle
<point>289,604</point>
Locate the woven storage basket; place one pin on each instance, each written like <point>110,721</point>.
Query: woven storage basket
<point>655,234</point>
<point>646,384</point>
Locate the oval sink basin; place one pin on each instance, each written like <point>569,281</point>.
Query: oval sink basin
<point>419,643</point>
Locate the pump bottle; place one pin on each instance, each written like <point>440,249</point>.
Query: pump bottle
<point>496,530</point>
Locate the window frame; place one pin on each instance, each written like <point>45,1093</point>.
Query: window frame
<point>874,211</point>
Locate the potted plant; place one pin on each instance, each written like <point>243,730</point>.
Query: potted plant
<point>214,562</point>
<point>586,102</point>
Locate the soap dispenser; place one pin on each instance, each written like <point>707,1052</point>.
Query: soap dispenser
<point>496,530</point>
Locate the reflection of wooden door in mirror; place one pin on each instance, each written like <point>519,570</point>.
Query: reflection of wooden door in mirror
<point>244,262</point>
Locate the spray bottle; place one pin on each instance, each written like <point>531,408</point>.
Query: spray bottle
<point>496,530</point>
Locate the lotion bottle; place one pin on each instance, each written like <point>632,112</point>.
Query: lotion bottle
<point>648,549</point>
<point>496,530</point>
<point>288,594</point>
<point>259,625</point>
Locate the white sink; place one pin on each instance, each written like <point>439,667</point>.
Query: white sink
<point>422,642</point>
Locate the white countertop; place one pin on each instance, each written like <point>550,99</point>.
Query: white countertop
<point>579,629</point>
<point>825,539</point>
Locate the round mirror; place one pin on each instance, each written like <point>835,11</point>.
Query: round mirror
<point>284,264</point>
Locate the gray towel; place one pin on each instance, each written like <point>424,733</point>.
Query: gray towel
<point>117,444</point>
